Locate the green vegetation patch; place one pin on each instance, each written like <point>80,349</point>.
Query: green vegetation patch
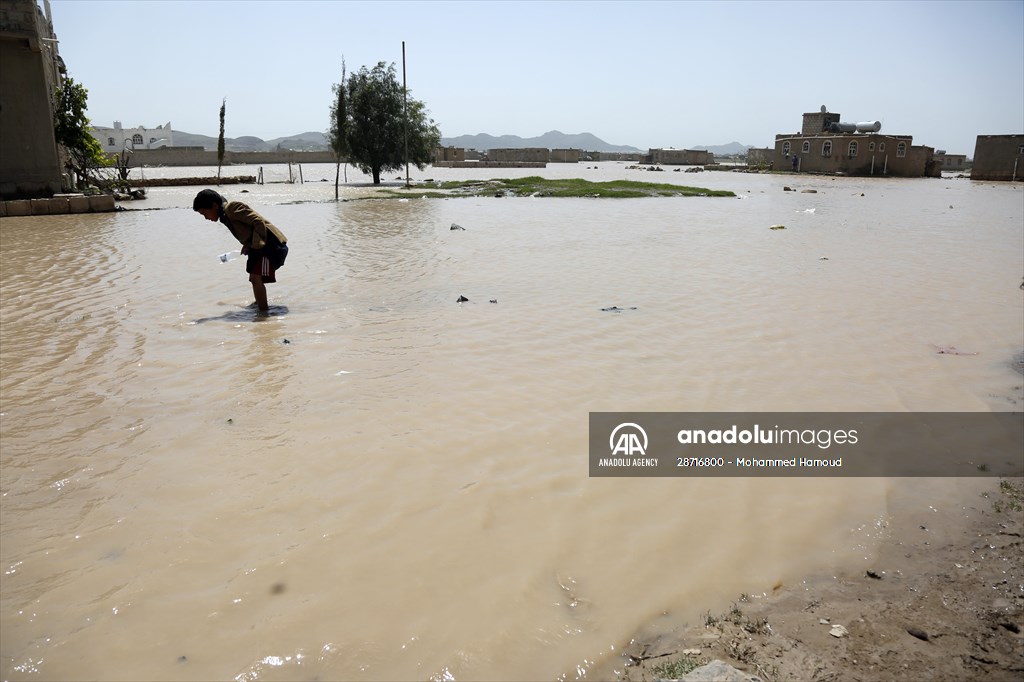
<point>673,670</point>
<point>535,186</point>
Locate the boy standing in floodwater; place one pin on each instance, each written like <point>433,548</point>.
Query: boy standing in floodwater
<point>264,244</point>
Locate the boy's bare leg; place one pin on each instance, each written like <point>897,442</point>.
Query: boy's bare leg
<point>259,290</point>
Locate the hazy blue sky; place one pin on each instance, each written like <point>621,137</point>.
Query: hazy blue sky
<point>647,74</point>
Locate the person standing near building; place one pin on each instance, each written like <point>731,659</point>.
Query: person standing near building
<point>264,245</point>
<point>796,163</point>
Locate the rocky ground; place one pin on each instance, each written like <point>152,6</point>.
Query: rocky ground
<point>943,603</point>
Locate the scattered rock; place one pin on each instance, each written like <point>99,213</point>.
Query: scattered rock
<point>461,299</point>
<point>777,227</point>
<point>872,574</point>
<point>787,188</point>
<point>286,341</point>
<point>457,227</point>
<point>951,350</point>
<point>808,191</point>
<point>919,633</point>
<point>616,309</point>
<point>494,300</point>
<point>838,631</point>
<point>823,621</point>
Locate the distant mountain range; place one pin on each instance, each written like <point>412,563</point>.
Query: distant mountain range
<point>553,139</point>
<point>310,141</point>
<point>316,141</point>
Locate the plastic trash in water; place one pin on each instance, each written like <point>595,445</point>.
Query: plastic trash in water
<point>229,256</point>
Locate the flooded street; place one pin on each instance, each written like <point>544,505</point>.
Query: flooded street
<point>379,483</point>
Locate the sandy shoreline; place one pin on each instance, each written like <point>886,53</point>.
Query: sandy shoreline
<point>943,599</point>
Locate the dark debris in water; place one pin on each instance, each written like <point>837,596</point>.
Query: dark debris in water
<point>617,309</point>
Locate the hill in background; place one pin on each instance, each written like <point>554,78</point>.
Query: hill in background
<point>554,139</point>
<point>307,142</point>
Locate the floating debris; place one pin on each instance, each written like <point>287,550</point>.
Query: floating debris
<point>777,227</point>
<point>456,226</point>
<point>461,299</point>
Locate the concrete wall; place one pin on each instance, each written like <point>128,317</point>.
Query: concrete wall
<point>678,157</point>
<point>197,156</point>
<point>998,157</point>
<point>60,204</point>
<point>527,154</point>
<point>29,161</point>
<point>564,156</point>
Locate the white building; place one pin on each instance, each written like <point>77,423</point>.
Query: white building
<point>117,138</point>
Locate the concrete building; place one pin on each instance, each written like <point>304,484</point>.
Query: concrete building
<point>31,71</point>
<point>998,157</point>
<point>678,157</point>
<point>442,154</point>
<point>950,162</point>
<point>826,145</point>
<point>114,140</point>
<point>758,157</point>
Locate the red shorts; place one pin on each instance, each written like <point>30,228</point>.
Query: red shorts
<point>259,265</point>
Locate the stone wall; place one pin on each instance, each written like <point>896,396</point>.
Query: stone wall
<point>197,156</point>
<point>60,204</point>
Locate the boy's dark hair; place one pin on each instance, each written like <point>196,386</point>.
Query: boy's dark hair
<point>207,199</point>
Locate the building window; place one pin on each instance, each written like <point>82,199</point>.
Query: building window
<point>881,146</point>
<point>871,146</point>
<point>152,140</point>
<point>110,142</point>
<point>785,148</point>
<point>826,148</point>
<point>1020,149</point>
<point>901,150</point>
<point>853,149</point>
<point>807,146</point>
<point>136,139</point>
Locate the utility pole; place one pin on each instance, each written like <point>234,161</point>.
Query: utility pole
<point>405,114</point>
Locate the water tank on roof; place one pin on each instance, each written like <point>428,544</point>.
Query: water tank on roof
<point>863,127</point>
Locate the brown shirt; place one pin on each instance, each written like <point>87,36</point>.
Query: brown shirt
<point>248,226</point>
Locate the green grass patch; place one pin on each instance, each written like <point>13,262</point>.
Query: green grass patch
<point>536,186</point>
<point>674,669</point>
<point>1011,497</point>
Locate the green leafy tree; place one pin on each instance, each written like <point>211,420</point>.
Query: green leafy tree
<point>376,134</point>
<point>71,129</point>
<point>337,136</point>
<point>220,139</point>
